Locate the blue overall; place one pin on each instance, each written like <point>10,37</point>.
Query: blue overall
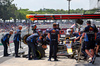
<point>53,42</point>
<point>32,45</point>
<point>98,38</point>
<point>17,39</point>
<point>43,41</point>
<point>83,50</point>
<point>5,42</point>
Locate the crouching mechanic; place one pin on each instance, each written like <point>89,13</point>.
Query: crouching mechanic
<point>54,36</point>
<point>43,39</point>
<point>89,35</point>
<point>5,42</point>
<point>32,45</point>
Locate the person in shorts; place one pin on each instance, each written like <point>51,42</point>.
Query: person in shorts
<point>89,35</point>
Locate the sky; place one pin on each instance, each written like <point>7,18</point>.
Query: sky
<point>51,4</point>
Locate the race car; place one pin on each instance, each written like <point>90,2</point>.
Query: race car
<point>66,46</point>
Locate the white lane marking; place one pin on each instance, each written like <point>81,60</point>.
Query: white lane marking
<point>12,51</point>
<point>11,48</point>
<point>8,49</point>
<point>1,50</point>
<point>1,56</point>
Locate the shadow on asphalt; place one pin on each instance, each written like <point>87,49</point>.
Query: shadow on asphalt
<point>3,59</point>
<point>62,57</point>
<point>84,63</point>
<point>87,64</point>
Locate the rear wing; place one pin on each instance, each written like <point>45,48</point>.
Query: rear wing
<point>62,16</point>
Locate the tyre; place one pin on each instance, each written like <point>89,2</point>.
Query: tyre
<point>25,37</point>
<point>41,50</point>
<point>38,54</point>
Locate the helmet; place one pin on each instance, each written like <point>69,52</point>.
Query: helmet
<point>68,31</point>
<point>33,27</point>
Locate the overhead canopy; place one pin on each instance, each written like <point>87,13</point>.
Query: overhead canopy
<point>62,16</point>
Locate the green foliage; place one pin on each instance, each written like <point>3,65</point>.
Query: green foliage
<point>7,9</point>
<point>61,11</point>
<point>23,12</point>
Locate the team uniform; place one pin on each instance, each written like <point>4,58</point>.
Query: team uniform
<point>98,38</point>
<point>35,31</point>
<point>53,42</point>
<point>5,42</point>
<point>89,37</point>
<point>83,50</point>
<point>44,38</point>
<point>17,39</point>
<point>32,45</point>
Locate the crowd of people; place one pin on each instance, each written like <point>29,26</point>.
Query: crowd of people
<point>5,27</point>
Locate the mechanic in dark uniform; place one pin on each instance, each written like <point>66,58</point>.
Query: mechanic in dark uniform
<point>53,35</point>
<point>96,29</point>
<point>32,44</point>
<point>89,35</point>
<point>98,43</point>
<point>83,45</point>
<point>97,40</point>
<point>17,39</point>
<point>5,42</point>
<point>44,39</point>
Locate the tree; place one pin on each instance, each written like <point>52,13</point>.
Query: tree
<point>6,9</point>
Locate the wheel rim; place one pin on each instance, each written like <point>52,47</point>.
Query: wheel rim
<point>38,54</point>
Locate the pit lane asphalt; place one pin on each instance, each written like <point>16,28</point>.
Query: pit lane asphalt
<point>63,61</point>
